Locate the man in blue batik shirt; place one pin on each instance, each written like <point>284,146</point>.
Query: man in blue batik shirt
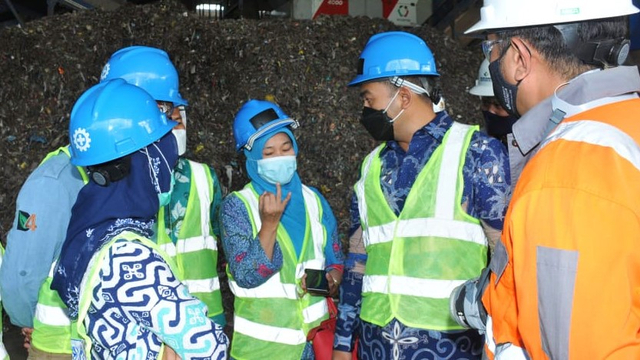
<point>429,204</point>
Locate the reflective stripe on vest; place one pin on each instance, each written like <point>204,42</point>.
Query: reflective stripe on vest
<point>599,134</point>
<point>489,341</point>
<point>410,255</point>
<point>272,318</point>
<point>506,351</point>
<point>196,251</point>
<point>51,325</point>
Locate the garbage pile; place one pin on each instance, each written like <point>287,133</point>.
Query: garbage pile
<point>303,65</point>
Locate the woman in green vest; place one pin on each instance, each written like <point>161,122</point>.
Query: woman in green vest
<point>272,231</point>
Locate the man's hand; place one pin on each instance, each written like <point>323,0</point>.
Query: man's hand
<point>26,332</point>
<point>341,355</point>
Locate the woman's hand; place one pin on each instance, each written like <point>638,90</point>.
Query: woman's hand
<point>271,209</point>
<point>272,206</point>
<point>334,277</point>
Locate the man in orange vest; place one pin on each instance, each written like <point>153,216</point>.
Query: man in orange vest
<point>565,277</point>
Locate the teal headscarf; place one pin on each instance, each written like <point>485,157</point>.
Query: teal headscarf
<point>294,216</point>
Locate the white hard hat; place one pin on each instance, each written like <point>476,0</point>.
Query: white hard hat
<point>503,14</point>
<point>484,86</point>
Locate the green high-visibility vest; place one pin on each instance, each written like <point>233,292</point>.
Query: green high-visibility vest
<point>196,251</point>
<point>417,258</point>
<point>273,319</point>
<point>51,325</point>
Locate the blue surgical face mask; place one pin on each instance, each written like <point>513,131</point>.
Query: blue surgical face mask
<point>279,169</point>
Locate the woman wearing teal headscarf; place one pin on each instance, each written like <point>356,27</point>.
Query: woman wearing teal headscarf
<point>272,231</point>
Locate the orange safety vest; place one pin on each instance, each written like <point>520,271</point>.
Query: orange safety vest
<point>570,285</point>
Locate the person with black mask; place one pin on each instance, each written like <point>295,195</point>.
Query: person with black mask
<point>497,121</point>
<point>430,201</point>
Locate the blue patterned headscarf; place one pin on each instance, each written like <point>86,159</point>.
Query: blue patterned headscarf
<point>293,219</point>
<point>101,212</point>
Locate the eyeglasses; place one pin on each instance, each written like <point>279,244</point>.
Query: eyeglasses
<point>166,108</point>
<point>487,46</point>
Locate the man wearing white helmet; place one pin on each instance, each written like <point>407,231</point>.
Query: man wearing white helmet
<point>497,121</point>
<point>564,278</point>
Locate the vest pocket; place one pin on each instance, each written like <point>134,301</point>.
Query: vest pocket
<point>556,277</point>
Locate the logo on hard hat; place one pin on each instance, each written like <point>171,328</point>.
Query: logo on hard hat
<point>485,77</point>
<point>81,139</point>
<point>105,71</point>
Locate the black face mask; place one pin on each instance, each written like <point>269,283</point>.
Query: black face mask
<point>496,125</point>
<point>377,123</point>
<point>502,90</point>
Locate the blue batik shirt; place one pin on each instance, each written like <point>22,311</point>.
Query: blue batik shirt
<point>140,304</point>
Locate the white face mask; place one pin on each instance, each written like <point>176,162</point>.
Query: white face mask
<point>181,134</point>
<point>181,139</point>
<point>279,169</point>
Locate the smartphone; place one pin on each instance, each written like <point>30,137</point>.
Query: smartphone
<point>317,283</point>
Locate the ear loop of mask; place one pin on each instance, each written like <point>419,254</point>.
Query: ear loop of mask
<point>389,105</point>
<point>183,116</point>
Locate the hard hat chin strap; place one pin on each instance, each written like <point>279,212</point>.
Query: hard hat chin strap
<point>435,96</point>
<point>397,81</point>
<point>611,52</point>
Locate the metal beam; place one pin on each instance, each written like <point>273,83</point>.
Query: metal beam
<point>15,13</point>
<point>85,4</point>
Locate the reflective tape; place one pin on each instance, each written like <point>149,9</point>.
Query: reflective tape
<point>405,285</point>
<point>268,333</point>
<point>202,286</point>
<point>423,227</point>
<point>191,244</point>
<point>599,134</point>
<point>272,288</point>
<point>315,312</point>
<point>52,315</point>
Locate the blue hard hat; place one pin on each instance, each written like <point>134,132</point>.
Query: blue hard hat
<point>257,118</point>
<point>114,119</point>
<point>394,53</point>
<point>147,67</point>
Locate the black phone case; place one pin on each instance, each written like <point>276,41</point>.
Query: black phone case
<point>317,282</point>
